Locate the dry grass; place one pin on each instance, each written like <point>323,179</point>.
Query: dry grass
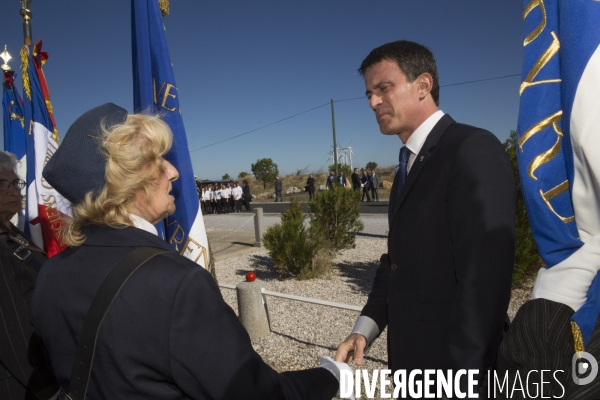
<point>256,187</point>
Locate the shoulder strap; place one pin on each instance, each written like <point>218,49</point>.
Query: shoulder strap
<point>108,291</point>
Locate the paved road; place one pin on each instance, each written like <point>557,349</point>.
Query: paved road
<point>374,207</point>
<point>376,225</point>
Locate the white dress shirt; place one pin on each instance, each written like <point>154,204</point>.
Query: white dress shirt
<point>365,325</point>
<point>141,223</point>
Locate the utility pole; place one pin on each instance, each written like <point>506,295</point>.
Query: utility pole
<point>335,156</point>
<point>26,14</point>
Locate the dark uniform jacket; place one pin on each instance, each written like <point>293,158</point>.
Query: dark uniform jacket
<point>168,335</point>
<point>25,371</point>
<point>444,286</point>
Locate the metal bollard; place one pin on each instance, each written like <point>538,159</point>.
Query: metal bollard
<point>252,310</point>
<point>258,219</point>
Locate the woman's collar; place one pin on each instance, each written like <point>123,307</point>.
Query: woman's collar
<point>141,223</point>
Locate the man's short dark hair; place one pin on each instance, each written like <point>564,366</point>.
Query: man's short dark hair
<point>412,58</point>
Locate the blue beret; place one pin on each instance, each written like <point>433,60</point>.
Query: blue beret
<point>78,166</point>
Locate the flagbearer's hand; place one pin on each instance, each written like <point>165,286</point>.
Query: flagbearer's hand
<point>352,348</point>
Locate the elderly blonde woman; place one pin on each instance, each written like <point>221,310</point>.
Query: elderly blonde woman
<point>25,372</point>
<point>168,333</point>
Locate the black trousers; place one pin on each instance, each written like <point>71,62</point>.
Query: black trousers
<point>366,191</point>
<point>374,194</point>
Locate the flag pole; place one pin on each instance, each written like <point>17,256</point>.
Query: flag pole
<point>27,16</point>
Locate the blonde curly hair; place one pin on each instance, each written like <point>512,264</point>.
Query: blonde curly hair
<point>134,151</point>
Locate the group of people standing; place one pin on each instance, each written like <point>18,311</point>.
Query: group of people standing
<point>223,198</point>
<point>368,183</point>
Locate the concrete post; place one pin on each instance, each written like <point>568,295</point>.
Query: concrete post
<point>253,314</point>
<point>258,222</point>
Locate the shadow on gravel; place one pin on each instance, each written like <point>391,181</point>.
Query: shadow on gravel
<point>370,235</point>
<point>359,274</point>
<point>321,346</point>
<point>263,267</point>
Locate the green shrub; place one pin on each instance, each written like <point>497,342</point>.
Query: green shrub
<point>335,217</point>
<point>527,258</point>
<point>294,250</point>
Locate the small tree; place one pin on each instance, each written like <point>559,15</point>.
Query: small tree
<point>243,174</point>
<point>265,170</point>
<point>335,217</point>
<point>294,249</point>
<point>226,177</point>
<point>371,165</point>
<point>527,258</point>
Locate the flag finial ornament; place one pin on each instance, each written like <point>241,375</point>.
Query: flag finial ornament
<point>164,7</point>
<point>24,73</point>
<point>6,57</point>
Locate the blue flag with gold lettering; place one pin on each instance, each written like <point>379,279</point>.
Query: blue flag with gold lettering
<point>155,91</point>
<point>14,132</point>
<point>558,150</point>
<point>14,123</point>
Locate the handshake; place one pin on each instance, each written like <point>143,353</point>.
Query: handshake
<point>351,349</point>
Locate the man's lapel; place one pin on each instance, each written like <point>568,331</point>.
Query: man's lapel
<point>432,139</point>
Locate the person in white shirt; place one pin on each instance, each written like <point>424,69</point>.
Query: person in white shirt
<point>237,196</point>
<point>218,199</point>
<point>225,195</point>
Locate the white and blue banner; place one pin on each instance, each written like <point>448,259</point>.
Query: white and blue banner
<point>155,91</point>
<point>559,150</point>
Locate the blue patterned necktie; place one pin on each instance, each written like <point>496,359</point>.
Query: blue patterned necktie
<point>401,172</point>
<point>402,168</point>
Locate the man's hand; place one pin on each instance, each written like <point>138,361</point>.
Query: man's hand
<point>352,348</point>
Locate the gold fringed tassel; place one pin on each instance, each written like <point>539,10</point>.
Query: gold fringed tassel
<point>24,74</point>
<point>577,338</point>
<point>164,7</point>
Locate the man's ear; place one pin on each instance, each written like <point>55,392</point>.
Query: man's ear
<point>424,83</point>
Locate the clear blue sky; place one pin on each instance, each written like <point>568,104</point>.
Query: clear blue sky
<point>240,65</point>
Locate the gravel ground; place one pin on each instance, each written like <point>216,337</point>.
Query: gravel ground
<point>302,332</point>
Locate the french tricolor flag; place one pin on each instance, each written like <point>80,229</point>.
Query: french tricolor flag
<point>46,208</point>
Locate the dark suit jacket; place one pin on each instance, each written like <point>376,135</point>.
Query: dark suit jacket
<point>444,286</point>
<point>168,335</point>
<point>355,180</point>
<point>25,371</point>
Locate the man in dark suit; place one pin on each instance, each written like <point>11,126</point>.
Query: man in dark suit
<point>443,287</point>
<point>355,179</point>
<point>374,185</point>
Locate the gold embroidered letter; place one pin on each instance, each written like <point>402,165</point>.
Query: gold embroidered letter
<point>552,193</point>
<point>550,52</point>
<point>536,32</point>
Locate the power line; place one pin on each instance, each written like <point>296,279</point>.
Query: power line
<point>339,101</point>
<point>480,80</point>
<point>264,126</point>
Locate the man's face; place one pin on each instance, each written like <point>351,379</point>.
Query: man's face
<point>10,199</point>
<point>394,99</point>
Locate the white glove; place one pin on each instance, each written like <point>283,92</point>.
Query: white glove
<point>335,368</point>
